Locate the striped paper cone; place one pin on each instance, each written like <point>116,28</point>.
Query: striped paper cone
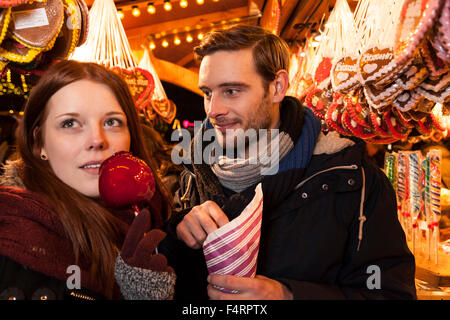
<point>233,248</point>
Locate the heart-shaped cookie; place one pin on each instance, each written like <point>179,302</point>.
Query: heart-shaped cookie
<point>379,126</point>
<point>376,65</point>
<point>323,71</point>
<point>381,98</point>
<point>165,108</point>
<point>394,126</point>
<point>358,112</point>
<point>344,75</point>
<point>11,3</point>
<point>333,117</point>
<point>436,66</point>
<point>84,22</point>
<point>37,24</point>
<point>444,26</point>
<point>441,96</point>
<point>416,17</point>
<point>356,129</point>
<point>407,100</point>
<point>140,82</point>
<point>69,35</point>
<point>5,15</point>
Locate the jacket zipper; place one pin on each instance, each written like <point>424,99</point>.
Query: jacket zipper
<point>81,296</point>
<point>350,167</point>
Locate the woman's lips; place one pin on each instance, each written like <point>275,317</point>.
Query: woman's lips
<point>91,168</point>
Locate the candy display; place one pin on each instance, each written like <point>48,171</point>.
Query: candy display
<point>389,70</point>
<point>416,178</point>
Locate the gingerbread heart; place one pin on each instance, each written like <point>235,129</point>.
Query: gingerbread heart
<point>333,118</point>
<point>37,24</point>
<point>356,129</point>
<point>5,15</point>
<point>444,26</point>
<point>376,65</point>
<point>436,66</point>
<point>438,83</point>
<point>414,75</point>
<point>438,97</point>
<point>379,126</point>
<point>11,3</point>
<point>381,98</point>
<point>407,100</point>
<point>356,110</point>
<point>322,74</point>
<point>139,81</point>
<point>84,22</point>
<point>394,126</point>
<point>344,75</point>
<point>165,108</point>
<point>70,31</point>
<point>416,17</point>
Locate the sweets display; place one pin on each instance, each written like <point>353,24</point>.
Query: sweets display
<point>387,77</point>
<point>417,181</point>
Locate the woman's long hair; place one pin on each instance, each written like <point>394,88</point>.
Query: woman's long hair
<point>92,229</point>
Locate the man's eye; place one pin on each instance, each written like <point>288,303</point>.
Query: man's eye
<point>231,92</point>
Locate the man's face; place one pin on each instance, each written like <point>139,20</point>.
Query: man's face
<point>235,96</point>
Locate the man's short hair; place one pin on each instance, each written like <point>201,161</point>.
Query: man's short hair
<point>270,52</point>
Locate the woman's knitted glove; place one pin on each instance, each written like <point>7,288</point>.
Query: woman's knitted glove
<point>141,273</point>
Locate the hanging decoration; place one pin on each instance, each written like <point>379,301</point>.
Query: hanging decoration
<point>107,44</point>
<point>160,104</point>
<point>380,72</point>
<point>34,34</point>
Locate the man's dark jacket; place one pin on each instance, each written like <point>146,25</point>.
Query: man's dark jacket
<point>309,238</point>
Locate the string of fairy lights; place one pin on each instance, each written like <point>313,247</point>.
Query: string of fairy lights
<point>192,33</point>
<point>187,34</point>
<point>151,9</point>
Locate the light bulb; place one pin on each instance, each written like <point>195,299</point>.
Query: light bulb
<point>165,44</point>
<point>177,41</point>
<point>200,36</point>
<point>152,45</point>
<point>120,14</point>
<point>183,3</point>
<point>135,11</point>
<point>151,8</point>
<point>167,5</point>
<point>189,38</point>
<point>200,2</point>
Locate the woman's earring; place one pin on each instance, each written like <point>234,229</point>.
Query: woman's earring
<point>43,157</point>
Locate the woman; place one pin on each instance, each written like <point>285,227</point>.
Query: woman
<point>52,220</point>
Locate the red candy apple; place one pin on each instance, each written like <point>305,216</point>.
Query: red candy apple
<point>125,181</point>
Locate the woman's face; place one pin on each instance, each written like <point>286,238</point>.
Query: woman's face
<point>83,125</point>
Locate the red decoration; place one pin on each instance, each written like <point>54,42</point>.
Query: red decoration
<point>140,82</point>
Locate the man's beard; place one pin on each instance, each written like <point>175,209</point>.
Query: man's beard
<point>262,120</point>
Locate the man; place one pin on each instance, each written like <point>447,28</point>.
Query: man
<point>329,223</point>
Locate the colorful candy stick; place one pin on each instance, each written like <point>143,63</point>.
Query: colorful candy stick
<point>435,158</point>
<point>414,194</point>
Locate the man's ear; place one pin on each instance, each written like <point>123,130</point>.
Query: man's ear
<point>281,84</point>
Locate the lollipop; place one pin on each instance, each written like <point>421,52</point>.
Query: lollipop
<point>125,181</point>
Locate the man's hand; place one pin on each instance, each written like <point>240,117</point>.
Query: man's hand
<point>258,288</point>
<point>199,222</point>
